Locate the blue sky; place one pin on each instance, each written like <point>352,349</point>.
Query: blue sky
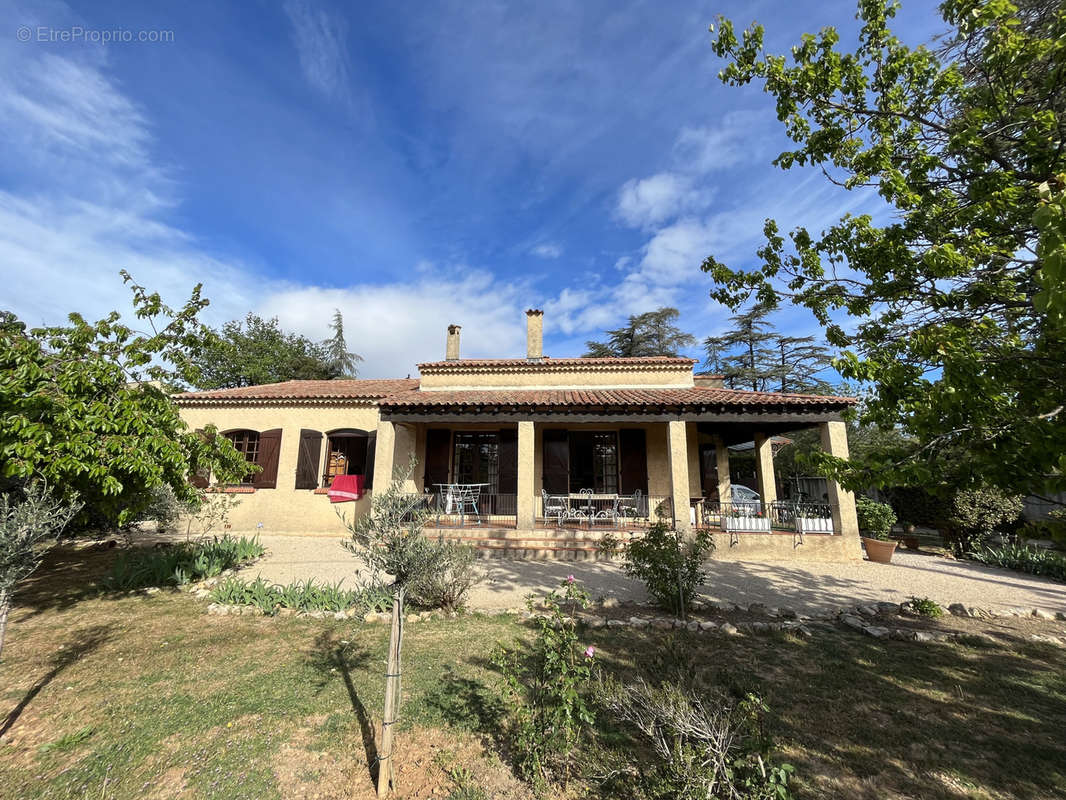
<point>412,164</point>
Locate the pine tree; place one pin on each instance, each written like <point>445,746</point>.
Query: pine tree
<point>653,333</point>
<point>340,359</point>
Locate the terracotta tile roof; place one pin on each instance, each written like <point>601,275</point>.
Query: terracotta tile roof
<point>640,361</point>
<point>649,399</point>
<point>308,390</point>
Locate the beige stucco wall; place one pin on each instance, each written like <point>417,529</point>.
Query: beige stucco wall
<point>287,509</point>
<point>543,375</point>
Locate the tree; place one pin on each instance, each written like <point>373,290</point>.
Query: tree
<point>339,358</point>
<point>754,356</point>
<point>83,408</point>
<point>652,333</point>
<point>800,360</point>
<point>953,309</point>
<point>258,351</point>
<point>389,541</point>
<point>31,519</point>
<point>745,356</point>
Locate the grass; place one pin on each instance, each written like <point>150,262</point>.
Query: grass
<point>120,696</point>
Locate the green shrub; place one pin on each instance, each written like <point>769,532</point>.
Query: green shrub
<point>977,513</point>
<point>449,578</point>
<point>1021,557</point>
<point>546,687</point>
<point>670,566</point>
<point>875,519</point>
<point>182,563</point>
<point>695,745</point>
<point>925,607</point>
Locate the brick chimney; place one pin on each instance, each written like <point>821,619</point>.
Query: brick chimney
<point>534,334</point>
<point>451,352</point>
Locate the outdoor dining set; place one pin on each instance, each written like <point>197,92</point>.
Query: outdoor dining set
<point>585,506</point>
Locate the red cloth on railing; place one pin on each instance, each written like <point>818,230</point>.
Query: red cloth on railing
<point>346,488</point>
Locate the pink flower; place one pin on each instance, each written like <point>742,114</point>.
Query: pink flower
<point>590,651</point>
<point>569,578</point>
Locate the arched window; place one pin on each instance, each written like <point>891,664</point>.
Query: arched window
<point>346,454</point>
<point>247,442</point>
<point>261,448</point>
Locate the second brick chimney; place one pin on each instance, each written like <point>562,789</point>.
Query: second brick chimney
<point>451,352</point>
<point>534,334</point>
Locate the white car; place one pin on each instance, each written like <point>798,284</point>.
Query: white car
<point>745,498</point>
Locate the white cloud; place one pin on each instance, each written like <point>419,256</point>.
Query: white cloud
<point>547,250</point>
<point>650,201</point>
<point>737,139</point>
<point>319,38</point>
<point>394,326</point>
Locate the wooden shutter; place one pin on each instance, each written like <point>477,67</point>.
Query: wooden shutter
<point>633,461</point>
<point>507,466</point>
<point>269,450</point>
<point>371,449</point>
<point>438,456</point>
<point>308,458</point>
<point>556,460</point>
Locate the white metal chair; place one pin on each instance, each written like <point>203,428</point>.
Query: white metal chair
<point>467,496</point>
<point>554,506</point>
<point>634,506</point>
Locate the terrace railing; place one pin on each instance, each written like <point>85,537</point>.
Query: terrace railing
<point>758,517</point>
<point>452,509</point>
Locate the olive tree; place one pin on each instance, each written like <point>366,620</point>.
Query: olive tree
<point>31,519</point>
<point>390,541</point>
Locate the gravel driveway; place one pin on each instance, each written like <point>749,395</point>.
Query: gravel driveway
<point>807,587</point>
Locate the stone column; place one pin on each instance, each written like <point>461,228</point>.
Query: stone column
<point>405,446</point>
<point>841,501</point>
<point>384,454</point>
<point>721,456</point>
<point>677,449</point>
<point>764,469</point>
<point>526,453</point>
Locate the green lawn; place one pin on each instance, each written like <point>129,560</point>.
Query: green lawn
<point>130,697</point>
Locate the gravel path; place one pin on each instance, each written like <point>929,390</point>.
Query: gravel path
<point>807,587</point>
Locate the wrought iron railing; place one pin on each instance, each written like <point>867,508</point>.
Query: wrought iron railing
<point>758,517</point>
<point>594,510</point>
<point>453,509</point>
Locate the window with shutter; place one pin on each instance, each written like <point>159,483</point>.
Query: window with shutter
<point>308,458</point>
<point>507,482</point>
<point>347,453</point>
<point>556,461</point>
<point>633,471</point>
<point>438,457</point>
<point>267,458</point>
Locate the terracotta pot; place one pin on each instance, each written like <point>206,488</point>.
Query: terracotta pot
<point>879,551</point>
<point>911,542</point>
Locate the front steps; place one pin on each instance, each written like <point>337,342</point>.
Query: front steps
<point>561,544</point>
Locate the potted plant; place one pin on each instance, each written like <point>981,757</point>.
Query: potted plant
<point>875,524</point>
<point>910,541</point>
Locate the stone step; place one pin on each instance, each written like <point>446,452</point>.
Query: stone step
<point>543,548</point>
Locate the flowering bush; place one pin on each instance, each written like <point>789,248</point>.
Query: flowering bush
<point>548,688</point>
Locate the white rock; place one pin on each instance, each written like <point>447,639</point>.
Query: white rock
<point>730,629</point>
<point>958,610</point>
<point>707,625</point>
<point>152,590</point>
<point>888,608</point>
<point>610,602</point>
<point>693,625</point>
<point>868,611</point>
<point>1039,613</point>
<point>339,615</point>
<point>854,622</point>
<point>638,622</point>
<point>616,623</point>
<point>877,631</point>
<point>595,622</point>
<point>662,623</point>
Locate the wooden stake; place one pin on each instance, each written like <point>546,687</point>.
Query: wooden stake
<point>386,779</point>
